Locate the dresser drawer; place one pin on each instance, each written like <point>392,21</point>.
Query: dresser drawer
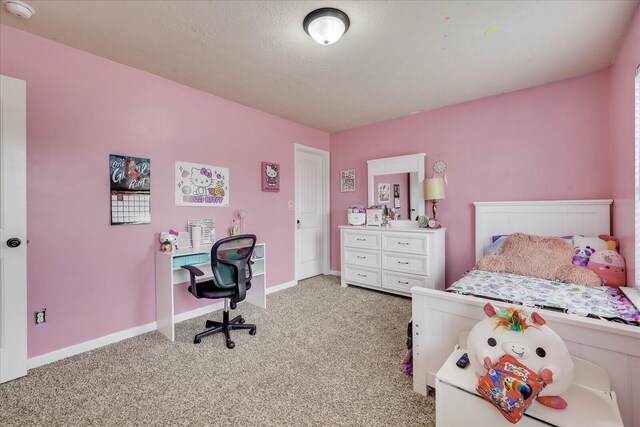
<point>362,275</point>
<point>362,239</point>
<point>406,242</point>
<point>402,282</point>
<point>362,257</point>
<point>416,264</point>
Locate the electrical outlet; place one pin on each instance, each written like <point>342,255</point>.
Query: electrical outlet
<point>40,316</point>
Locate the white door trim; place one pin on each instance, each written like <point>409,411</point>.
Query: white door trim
<point>13,260</point>
<point>326,232</point>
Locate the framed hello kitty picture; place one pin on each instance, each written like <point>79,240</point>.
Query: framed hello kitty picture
<point>270,177</point>
<point>201,185</point>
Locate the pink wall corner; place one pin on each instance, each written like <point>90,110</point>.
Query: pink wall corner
<point>545,142</point>
<point>93,278</point>
<point>621,141</point>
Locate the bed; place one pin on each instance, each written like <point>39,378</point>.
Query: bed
<point>439,318</point>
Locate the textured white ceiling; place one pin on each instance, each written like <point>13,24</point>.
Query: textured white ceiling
<point>396,58</point>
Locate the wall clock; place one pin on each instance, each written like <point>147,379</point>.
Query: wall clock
<point>440,166</point>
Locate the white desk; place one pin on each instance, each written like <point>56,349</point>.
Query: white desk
<point>167,276</point>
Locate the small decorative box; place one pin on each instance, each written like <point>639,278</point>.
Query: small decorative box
<point>356,218</point>
<point>374,216</point>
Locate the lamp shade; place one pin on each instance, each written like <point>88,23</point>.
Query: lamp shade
<point>433,189</point>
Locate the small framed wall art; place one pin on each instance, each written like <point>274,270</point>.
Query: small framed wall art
<point>270,177</point>
<point>348,180</point>
<point>384,193</point>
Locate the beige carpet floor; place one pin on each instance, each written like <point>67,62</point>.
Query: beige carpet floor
<point>323,355</point>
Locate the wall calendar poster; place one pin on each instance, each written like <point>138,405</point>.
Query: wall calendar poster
<point>130,189</point>
<point>201,185</point>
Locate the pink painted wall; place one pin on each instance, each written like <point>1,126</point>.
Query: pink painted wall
<point>546,142</point>
<point>93,278</point>
<point>401,179</point>
<point>622,146</point>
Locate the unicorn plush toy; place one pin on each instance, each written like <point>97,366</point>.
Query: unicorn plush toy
<point>530,342</point>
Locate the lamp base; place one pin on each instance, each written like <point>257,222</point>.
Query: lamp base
<point>435,208</point>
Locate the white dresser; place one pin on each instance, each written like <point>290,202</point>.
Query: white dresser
<point>392,259</point>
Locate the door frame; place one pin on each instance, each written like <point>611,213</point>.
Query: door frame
<point>13,313</point>
<point>326,232</point>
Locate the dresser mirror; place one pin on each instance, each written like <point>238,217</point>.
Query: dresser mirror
<point>397,183</point>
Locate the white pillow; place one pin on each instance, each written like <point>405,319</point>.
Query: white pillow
<point>594,243</point>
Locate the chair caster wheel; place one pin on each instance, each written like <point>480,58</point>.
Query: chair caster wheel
<point>252,331</point>
<point>230,344</point>
<point>197,340</point>
<point>241,320</point>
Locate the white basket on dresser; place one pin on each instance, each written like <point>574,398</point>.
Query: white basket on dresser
<point>392,259</point>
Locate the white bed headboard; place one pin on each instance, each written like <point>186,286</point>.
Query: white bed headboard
<point>542,218</point>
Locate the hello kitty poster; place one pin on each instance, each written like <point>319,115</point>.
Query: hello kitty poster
<point>201,185</point>
<point>270,177</point>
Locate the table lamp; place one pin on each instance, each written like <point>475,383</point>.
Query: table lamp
<point>434,191</point>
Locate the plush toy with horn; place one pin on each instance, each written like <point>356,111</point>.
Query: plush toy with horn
<point>530,341</point>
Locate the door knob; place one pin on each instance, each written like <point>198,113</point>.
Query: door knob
<point>14,242</point>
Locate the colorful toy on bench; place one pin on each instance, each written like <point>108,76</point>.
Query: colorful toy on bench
<point>511,387</point>
<point>609,265</point>
<point>530,342</point>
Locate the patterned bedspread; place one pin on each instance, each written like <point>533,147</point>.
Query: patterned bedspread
<point>602,301</point>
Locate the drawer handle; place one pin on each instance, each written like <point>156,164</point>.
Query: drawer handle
<point>403,283</point>
<point>361,240</point>
<point>361,257</point>
<point>404,263</point>
<point>403,243</point>
<point>362,275</point>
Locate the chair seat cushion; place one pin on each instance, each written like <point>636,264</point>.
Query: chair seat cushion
<point>208,289</point>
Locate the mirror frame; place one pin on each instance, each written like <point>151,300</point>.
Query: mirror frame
<point>401,164</point>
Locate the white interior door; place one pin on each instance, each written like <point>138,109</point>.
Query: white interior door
<point>13,229</point>
<point>312,211</point>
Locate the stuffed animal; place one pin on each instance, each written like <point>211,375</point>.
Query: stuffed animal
<point>170,236</point>
<point>530,342</point>
<point>609,265</point>
<point>582,255</point>
<point>536,256</point>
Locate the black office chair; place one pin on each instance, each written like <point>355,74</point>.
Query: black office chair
<point>231,266</point>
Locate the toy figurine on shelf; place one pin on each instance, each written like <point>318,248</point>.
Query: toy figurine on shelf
<point>170,237</point>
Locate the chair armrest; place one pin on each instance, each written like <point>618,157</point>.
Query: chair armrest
<point>193,270</point>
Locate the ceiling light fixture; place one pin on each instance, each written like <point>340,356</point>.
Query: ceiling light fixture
<point>19,8</point>
<point>326,25</point>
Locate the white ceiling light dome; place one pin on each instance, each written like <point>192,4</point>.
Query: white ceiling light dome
<point>326,25</point>
<point>19,8</point>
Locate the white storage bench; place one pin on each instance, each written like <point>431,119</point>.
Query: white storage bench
<point>590,400</point>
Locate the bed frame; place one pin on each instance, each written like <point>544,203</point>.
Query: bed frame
<point>440,317</point>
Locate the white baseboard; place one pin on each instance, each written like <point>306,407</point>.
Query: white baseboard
<point>281,286</point>
<point>45,359</point>
<point>198,312</point>
<point>72,350</point>
<point>334,272</point>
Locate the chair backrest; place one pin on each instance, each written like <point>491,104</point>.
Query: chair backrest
<point>230,262</point>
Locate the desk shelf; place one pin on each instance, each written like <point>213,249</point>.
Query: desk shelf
<point>167,276</point>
